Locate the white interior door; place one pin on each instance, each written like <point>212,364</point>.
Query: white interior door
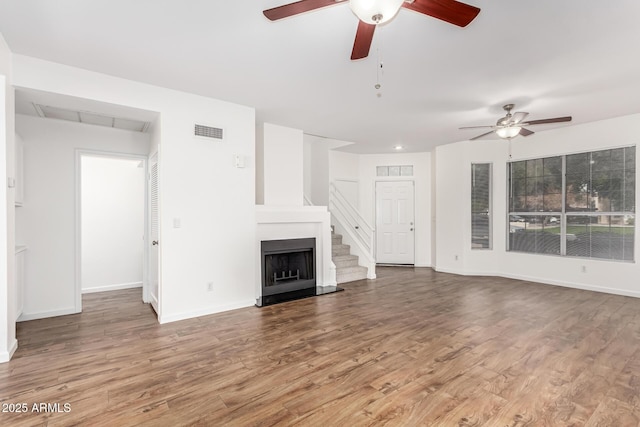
<point>395,235</point>
<point>153,233</point>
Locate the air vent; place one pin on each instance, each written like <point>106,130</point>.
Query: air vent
<point>90,118</point>
<point>208,132</point>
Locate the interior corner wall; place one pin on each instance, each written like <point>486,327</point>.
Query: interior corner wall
<point>344,173</point>
<point>200,186</point>
<point>260,164</point>
<point>307,177</point>
<point>316,169</point>
<point>434,229</point>
<point>8,298</point>
<point>154,142</point>
<point>343,165</point>
<point>421,163</point>
<point>283,166</point>
<point>112,220</point>
<point>453,218</point>
<point>46,220</point>
<point>449,187</point>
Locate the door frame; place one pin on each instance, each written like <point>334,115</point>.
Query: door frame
<point>375,211</point>
<point>78,216</point>
<point>154,157</point>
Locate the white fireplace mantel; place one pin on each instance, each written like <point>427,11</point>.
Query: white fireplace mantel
<point>294,222</point>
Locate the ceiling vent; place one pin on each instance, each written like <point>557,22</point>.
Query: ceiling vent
<point>208,132</point>
<point>91,118</point>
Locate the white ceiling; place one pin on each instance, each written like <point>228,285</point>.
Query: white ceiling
<point>549,57</point>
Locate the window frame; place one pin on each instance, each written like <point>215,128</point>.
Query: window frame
<point>489,205</point>
<point>567,212</point>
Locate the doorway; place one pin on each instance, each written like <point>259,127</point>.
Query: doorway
<point>395,235</point>
<point>110,223</point>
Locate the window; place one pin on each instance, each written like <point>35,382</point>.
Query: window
<point>579,205</point>
<point>405,170</point>
<point>481,206</point>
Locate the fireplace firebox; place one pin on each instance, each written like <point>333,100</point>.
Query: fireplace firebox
<point>288,265</point>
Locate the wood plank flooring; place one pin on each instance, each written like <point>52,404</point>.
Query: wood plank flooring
<point>412,348</point>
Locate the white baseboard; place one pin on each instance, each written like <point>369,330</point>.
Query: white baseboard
<point>574,285</point>
<point>543,281</point>
<point>205,311</point>
<point>5,356</point>
<point>45,314</point>
<point>154,302</point>
<point>327,283</point>
<point>112,287</point>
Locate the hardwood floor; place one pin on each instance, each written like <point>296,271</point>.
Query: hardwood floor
<point>413,347</point>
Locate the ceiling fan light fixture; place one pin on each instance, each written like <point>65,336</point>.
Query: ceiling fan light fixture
<point>375,11</point>
<point>508,131</point>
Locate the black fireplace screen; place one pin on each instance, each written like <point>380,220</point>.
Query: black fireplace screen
<point>288,265</point>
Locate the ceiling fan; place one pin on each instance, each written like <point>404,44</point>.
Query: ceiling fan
<point>375,12</point>
<point>512,125</point>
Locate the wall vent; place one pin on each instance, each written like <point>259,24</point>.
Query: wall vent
<point>208,132</point>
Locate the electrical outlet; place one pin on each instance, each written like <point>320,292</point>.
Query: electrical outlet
<point>456,257</point>
<point>584,269</point>
<point>210,287</point>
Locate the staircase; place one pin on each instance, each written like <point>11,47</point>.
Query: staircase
<point>347,268</point>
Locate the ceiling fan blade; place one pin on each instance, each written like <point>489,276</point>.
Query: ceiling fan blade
<point>480,136</point>
<point>362,43</point>
<point>525,132</point>
<point>297,8</point>
<point>476,127</point>
<point>518,117</point>
<point>545,121</point>
<point>451,11</point>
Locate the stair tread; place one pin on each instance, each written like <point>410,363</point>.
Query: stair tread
<point>347,268</point>
<point>345,257</point>
<point>350,269</point>
<point>351,276</point>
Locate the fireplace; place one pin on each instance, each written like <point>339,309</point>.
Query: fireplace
<point>297,267</point>
<point>288,266</point>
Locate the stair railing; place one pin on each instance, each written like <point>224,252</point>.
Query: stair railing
<point>352,222</point>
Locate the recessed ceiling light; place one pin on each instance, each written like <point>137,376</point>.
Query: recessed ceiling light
<point>398,147</point>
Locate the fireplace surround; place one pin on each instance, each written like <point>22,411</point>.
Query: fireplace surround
<point>276,223</point>
<point>288,270</point>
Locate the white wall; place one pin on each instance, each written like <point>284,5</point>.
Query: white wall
<point>450,191</point>
<point>283,166</point>
<point>259,163</point>
<point>453,163</point>
<point>316,169</point>
<point>8,301</point>
<point>344,172</point>
<point>112,218</point>
<point>46,221</point>
<point>199,185</point>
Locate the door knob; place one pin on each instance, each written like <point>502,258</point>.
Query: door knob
<point>155,242</point>
<point>411,229</point>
